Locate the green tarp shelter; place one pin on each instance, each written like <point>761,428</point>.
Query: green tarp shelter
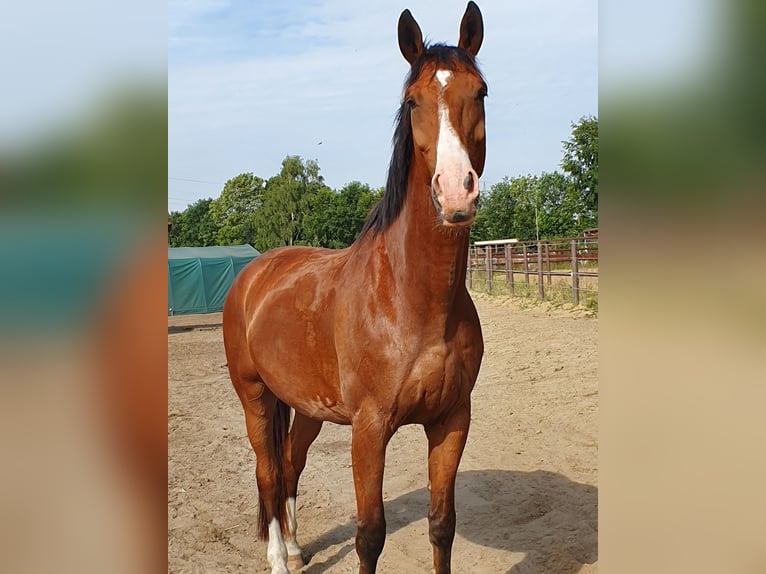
<point>199,277</point>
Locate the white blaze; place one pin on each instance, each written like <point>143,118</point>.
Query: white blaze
<point>452,161</point>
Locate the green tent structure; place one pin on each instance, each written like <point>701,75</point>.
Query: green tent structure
<point>200,277</point>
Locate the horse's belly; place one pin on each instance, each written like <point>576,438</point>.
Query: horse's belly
<point>302,380</point>
<point>323,409</point>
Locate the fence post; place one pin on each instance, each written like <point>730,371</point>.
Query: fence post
<point>575,275</point>
<point>488,254</point>
<point>526,263</point>
<point>540,288</point>
<point>508,267</point>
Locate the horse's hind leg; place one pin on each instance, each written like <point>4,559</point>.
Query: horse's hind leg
<point>267,419</point>
<point>303,432</point>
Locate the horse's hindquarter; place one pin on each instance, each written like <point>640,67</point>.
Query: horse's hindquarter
<point>286,301</point>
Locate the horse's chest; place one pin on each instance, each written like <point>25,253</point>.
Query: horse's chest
<point>437,380</point>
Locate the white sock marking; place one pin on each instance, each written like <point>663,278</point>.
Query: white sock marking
<point>292,529</point>
<point>277,552</point>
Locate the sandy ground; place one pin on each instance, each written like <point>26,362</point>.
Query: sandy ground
<point>526,490</point>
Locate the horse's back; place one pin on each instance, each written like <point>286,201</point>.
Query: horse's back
<point>278,271</point>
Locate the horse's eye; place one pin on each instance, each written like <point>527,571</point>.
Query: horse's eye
<point>411,103</point>
<point>482,93</point>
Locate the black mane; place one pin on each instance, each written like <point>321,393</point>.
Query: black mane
<point>389,207</point>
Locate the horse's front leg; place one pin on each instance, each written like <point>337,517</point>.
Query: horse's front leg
<point>369,439</point>
<point>446,440</point>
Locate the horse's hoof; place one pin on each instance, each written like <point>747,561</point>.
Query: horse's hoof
<point>294,562</point>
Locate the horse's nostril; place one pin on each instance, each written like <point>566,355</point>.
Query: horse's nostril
<point>435,199</point>
<point>435,183</point>
<point>468,182</point>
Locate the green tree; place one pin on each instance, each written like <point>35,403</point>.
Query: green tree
<point>321,219</point>
<point>494,219</point>
<point>548,205</point>
<point>354,202</point>
<point>557,206</point>
<point>367,202</point>
<point>234,211</point>
<point>525,195</point>
<point>193,227</point>
<point>334,219</point>
<point>279,220</point>
<point>522,207</point>
<point>580,163</point>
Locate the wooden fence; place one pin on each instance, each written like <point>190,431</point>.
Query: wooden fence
<point>548,267</point>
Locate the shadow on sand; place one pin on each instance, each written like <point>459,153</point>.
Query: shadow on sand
<point>173,329</point>
<point>544,515</point>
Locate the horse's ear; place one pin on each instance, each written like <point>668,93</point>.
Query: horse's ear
<point>410,37</point>
<point>471,29</point>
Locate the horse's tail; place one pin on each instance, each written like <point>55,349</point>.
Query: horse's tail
<point>279,428</point>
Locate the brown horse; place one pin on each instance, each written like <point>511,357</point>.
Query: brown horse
<point>381,334</point>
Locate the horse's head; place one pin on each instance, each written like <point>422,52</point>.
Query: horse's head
<point>445,99</point>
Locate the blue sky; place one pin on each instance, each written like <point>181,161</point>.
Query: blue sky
<point>252,82</point>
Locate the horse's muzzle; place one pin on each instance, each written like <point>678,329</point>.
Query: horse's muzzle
<point>457,217</point>
<point>455,193</point>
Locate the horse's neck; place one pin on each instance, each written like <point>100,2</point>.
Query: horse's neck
<point>428,261</point>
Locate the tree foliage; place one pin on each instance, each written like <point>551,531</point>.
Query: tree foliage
<point>580,163</point>
<point>548,205</point>
<point>234,211</point>
<point>334,219</point>
<point>194,226</point>
<point>279,220</point>
<point>526,208</point>
<point>295,207</point>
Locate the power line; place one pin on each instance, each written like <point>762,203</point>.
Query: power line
<point>194,180</point>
